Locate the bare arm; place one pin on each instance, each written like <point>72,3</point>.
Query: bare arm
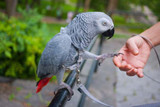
<point>153,34</point>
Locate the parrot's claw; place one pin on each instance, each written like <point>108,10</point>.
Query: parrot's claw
<point>66,86</point>
<point>117,54</point>
<point>102,57</point>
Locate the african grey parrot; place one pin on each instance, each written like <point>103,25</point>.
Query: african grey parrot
<point>66,49</point>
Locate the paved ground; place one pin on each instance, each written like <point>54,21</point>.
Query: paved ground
<point>109,85</point>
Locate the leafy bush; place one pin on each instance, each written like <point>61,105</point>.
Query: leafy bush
<point>49,7</point>
<point>57,10</point>
<point>22,41</point>
<point>129,24</point>
<point>119,19</point>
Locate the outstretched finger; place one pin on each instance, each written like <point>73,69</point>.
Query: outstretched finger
<point>117,60</point>
<point>125,66</point>
<point>140,73</point>
<point>132,72</point>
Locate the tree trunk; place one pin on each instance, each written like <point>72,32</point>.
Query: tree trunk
<point>112,6</point>
<point>11,7</point>
<point>86,5</point>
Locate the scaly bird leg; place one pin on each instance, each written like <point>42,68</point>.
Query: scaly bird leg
<point>63,85</point>
<point>100,58</point>
<point>88,55</point>
<point>73,67</point>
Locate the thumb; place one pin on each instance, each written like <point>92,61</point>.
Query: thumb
<point>132,46</point>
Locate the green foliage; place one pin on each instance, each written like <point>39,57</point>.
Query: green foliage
<point>55,8</point>
<point>153,5</point>
<point>117,36</point>
<point>117,19</point>
<point>55,27</point>
<point>129,24</point>
<point>124,5</point>
<point>2,5</point>
<point>59,10</point>
<point>29,95</point>
<point>11,97</point>
<point>53,78</point>
<point>18,89</point>
<point>21,44</point>
<point>99,5</point>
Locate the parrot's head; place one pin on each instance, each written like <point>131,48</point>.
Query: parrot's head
<point>85,26</point>
<point>104,25</point>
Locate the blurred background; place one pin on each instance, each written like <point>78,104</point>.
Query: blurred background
<point>27,25</point>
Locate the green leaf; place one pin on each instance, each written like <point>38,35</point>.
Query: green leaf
<point>8,54</point>
<point>18,88</point>
<point>29,95</point>
<point>22,41</point>
<point>11,97</point>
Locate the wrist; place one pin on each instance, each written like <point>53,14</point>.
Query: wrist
<point>147,41</point>
<point>153,34</point>
<point>149,37</point>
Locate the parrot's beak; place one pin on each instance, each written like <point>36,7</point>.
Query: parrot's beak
<point>108,33</point>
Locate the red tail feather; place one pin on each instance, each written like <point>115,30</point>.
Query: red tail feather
<point>41,83</point>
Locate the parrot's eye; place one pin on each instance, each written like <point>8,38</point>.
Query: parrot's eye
<point>104,23</point>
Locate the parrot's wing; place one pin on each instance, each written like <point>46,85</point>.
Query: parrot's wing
<point>54,55</point>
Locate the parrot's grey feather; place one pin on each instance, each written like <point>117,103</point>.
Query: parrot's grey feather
<point>59,49</point>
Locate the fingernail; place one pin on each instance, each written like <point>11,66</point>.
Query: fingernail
<point>136,70</point>
<point>136,52</point>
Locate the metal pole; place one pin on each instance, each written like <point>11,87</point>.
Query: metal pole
<point>99,49</point>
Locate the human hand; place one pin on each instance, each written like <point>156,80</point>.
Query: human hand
<point>136,52</point>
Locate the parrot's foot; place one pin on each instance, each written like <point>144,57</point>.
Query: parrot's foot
<point>73,67</point>
<point>102,57</point>
<point>66,86</point>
